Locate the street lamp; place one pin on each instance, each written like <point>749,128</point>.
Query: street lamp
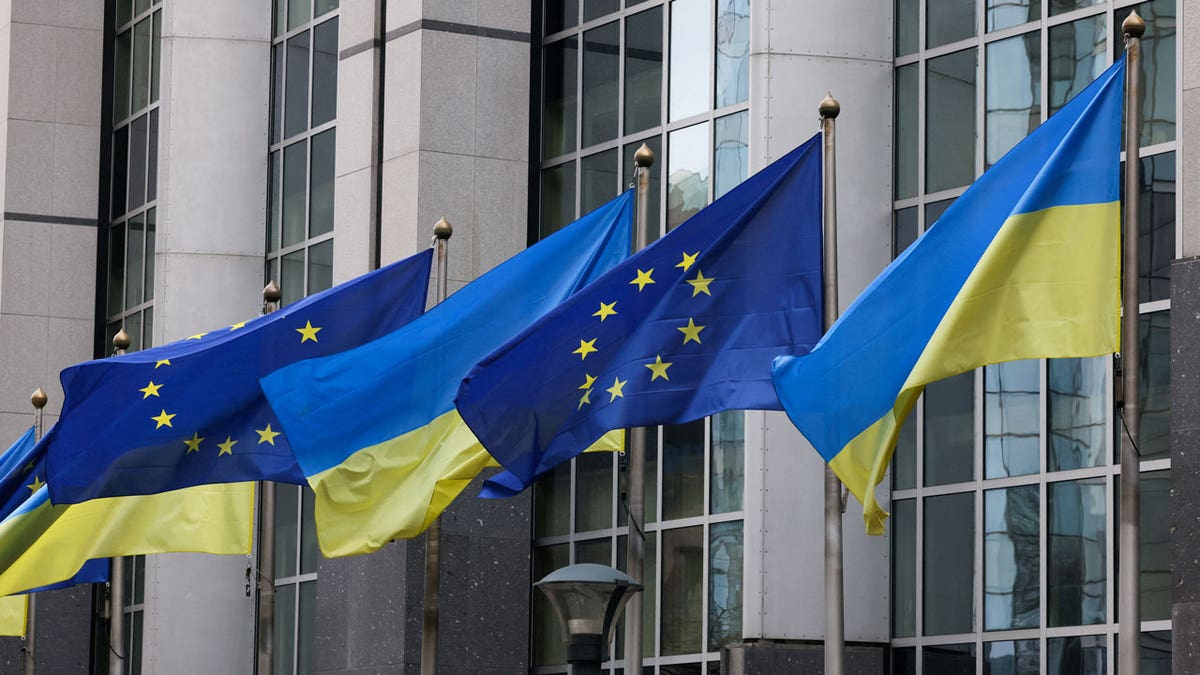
<point>587,599</point>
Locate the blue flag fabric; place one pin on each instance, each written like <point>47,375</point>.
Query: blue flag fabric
<point>191,412</point>
<point>685,328</point>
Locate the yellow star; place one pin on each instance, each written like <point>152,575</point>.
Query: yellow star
<point>659,368</point>
<point>688,260</point>
<point>586,398</point>
<point>36,485</point>
<point>266,435</point>
<point>642,279</point>
<point>226,448</point>
<point>585,347</point>
<point>163,419</point>
<point>193,443</point>
<point>162,362</point>
<point>150,390</point>
<point>197,336</point>
<point>690,332</point>
<point>700,284</point>
<point>606,310</point>
<point>309,332</point>
<point>615,390</point>
<point>588,381</point>
<point>240,324</point>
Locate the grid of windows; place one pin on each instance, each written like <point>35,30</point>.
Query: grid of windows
<point>674,75</point>
<point>1006,479</point>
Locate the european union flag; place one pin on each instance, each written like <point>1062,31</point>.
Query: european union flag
<point>685,328</point>
<point>191,412</point>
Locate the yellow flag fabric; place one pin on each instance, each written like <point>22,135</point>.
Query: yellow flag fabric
<point>14,610</point>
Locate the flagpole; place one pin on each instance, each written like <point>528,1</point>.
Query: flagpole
<point>1129,590</point>
<point>835,613</point>
<point>266,540</point>
<point>433,535</point>
<point>39,400</point>
<point>116,574</point>
<point>635,542</point>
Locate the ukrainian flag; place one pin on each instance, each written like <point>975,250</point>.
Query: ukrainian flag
<point>375,429</point>
<point>1025,264</point>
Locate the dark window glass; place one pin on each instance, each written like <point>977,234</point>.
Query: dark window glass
<point>149,275</point>
<point>1011,419</point>
<point>649,572</point>
<point>124,11</point>
<point>1007,13</point>
<point>292,270</point>
<point>950,430</point>
<point>558,197</point>
<point>558,87</point>
<point>274,201</point>
<point>152,159</point>
<point>1076,655</point>
<point>320,266</point>
<point>949,658</point>
<point>324,72</point>
<point>285,629</point>
<point>593,491</point>
<point>1010,558</point>
<point>1011,657</point>
<point>727,462</point>
<point>548,646</point>
<point>287,529</point>
<point>560,14</point>
<point>904,661</point>
<point>908,26</point>
<point>305,629</point>
<point>295,181</point>
<point>138,132</point>
<point>299,11</point>
<point>934,210</point>
<point>601,63</point>
<point>598,179</point>
<point>904,568</point>
<point>1156,653</point>
<point>1156,225</point>
<point>1077,406</point>
<point>594,551</point>
<point>1154,536</point>
<point>148,340</point>
<point>650,494</point>
<point>321,183</point>
<point>904,233</point>
<point>155,58</point>
<point>120,161</point>
<point>683,566</point>
<point>948,21</point>
<point>949,564</point>
<point>594,9</point>
<point>295,109</point>
<point>1075,552</point>
<point>950,121</point>
<point>135,257</point>
<point>655,201</point>
<point>141,64</point>
<point>279,17</point>
<point>1063,6</point>
<point>643,70</point>
<point>1155,385</point>
<point>276,92</point>
<point>551,503</point>
<point>321,7</point>
<point>731,152</point>
<point>1158,68</point>
<point>907,104</point>
<point>725,553</point>
<point>904,460</point>
<point>733,52</point>
<point>116,271</point>
<point>683,470</point>
<point>1014,92</point>
<point>1076,58</point>
<point>122,78</point>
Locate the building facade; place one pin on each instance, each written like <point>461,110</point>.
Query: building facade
<point>164,159</point>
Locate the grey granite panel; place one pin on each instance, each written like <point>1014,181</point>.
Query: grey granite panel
<point>1185,343</point>
<point>64,629</point>
<point>1185,515</point>
<point>493,518</point>
<point>378,607</point>
<point>1185,638</point>
<point>333,606</point>
<point>769,658</point>
<point>10,654</point>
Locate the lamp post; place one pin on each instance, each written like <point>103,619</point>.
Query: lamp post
<point>587,599</point>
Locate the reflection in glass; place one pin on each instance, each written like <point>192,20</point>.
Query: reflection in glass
<point>292,277</point>
<point>683,470</point>
<point>725,552</point>
<point>321,7</point>
<point>1156,652</point>
<point>1154,387</point>
<point>1010,555</point>
<point>1158,68</point>
<point>1076,408</point>
<point>551,502</point>
<point>1076,58</point>
<point>1062,6</point>
<point>1155,537</point>
<point>949,564</point>
<point>904,459</point>
<point>643,70</point>
<point>950,121</point>
<point>655,201</point>
<point>1011,657</point>
<point>904,232</point>
<point>731,152</point>
<point>134,259</point>
<point>950,430</point>
<point>1011,423</point>
<point>152,158</point>
<point>949,658</point>
<point>548,647</point>
<point>141,64</point>
<point>1085,655</point>
<point>305,633</point>
<point>948,21</point>
<point>687,173</point>
<point>691,52</point>
<point>904,661</point>
<point>1007,13</point>
<point>558,198</point>
<point>1075,552</point>
<point>593,491</point>
<point>1156,225</point>
<point>733,52</point>
<point>560,15</point>
<point>287,529</point>
<point>299,11</point>
<point>648,597</point>
<point>597,180</point>
<point>116,270</point>
<point>1014,86</point>
<point>295,108</point>
<point>155,59</point>
<point>908,26</point>
<point>320,267</point>
<point>650,494</point>
<point>274,207</point>
<point>276,92</point>
<point>294,183</point>
<point>320,198</point>
<point>559,73</point>
<point>308,532</point>
<point>601,63</point>
<point>904,568</point>
<point>593,9</point>
<point>594,551</point>
<point>324,72</point>
<point>138,132</point>
<point>682,590</point>
<point>148,275</point>
<point>120,160</point>
<point>122,80</point>
<point>727,464</point>
<point>284,633</point>
<point>907,102</point>
<point>934,211</point>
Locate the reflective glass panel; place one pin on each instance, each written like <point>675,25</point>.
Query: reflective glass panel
<point>320,267</point>
<point>949,564</point>
<point>949,658</point>
<point>1158,68</point>
<point>120,166</point>
<point>295,109</point>
<point>733,51</point>
<point>152,158</point>
<point>1007,13</point>
<point>594,9</point>
<point>292,273</point>
<point>287,529</point>
<point>594,551</point>
<point>682,590</point>
<point>655,201</point>
<point>551,502</point>
<point>321,7</point>
<point>285,633</point>
<point>305,628</point>
<point>155,51</point>
<point>142,31</point>
<point>950,430</point>
<point>688,173</point>
<point>650,494</point>
<point>151,222</point>
<point>683,470</point>
<point>731,154</point>
<point>1011,419</point>
<point>274,205</point>
<point>558,197</point>
<point>320,198</point>
<point>1154,437</point>
<point>904,232</point>
<point>904,459</point>
<point>950,121</point>
<point>277,92</point>
<point>116,271</point>
<point>1076,58</point>
<point>324,72</point>
<point>904,568</point>
<point>948,21</point>
<point>1010,558</point>
<point>1062,6</point>
<point>904,661</point>
<point>1155,535</point>
<point>138,132</point>
<point>691,54</point>
<point>122,79</point>
<point>907,109</point>
<point>648,599</point>
<point>1011,657</point>
<point>643,70</point>
<point>1014,92</point>
<point>725,553</point>
<point>548,646</point>
<point>1156,225</point>
<point>727,463</point>
<point>299,11</point>
<point>1076,408</point>
<point>601,63</point>
<point>308,532</point>
<point>560,14</point>
<point>593,491</point>
<point>1083,655</point>
<point>295,182</point>
<point>1156,653</point>
<point>136,251</point>
<point>934,210</point>
<point>1075,552</point>
<point>597,180</point>
<point>908,26</point>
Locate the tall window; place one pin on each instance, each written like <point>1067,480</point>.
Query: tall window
<point>1006,479</point>
<point>674,75</point>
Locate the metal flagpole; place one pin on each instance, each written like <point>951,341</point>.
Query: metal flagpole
<point>433,535</point>
<point>39,400</point>
<point>116,575</point>
<point>266,540</point>
<point>1129,590</point>
<point>835,619</point>
<point>635,549</point>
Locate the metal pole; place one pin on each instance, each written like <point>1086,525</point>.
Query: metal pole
<point>635,549</point>
<point>835,619</point>
<point>116,576</point>
<point>266,541</point>
<point>39,400</point>
<point>1129,591</point>
<point>433,535</point>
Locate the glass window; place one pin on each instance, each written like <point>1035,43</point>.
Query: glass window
<point>142,32</point>
<point>1156,226</point>
<point>1011,657</point>
<point>120,162</point>
<point>725,553</point>
<point>949,658</point>
<point>727,462</point>
<point>138,132</point>
<point>551,503</point>
<point>1010,558</point>
<point>904,459</point>
<point>593,491</point>
<point>950,121</point>
<point>320,267</point>
<point>287,529</point>
<point>731,154</point>
<point>116,270</point>
<point>305,627</point>
<point>594,551</point>
<point>1061,6</point>
<point>934,211</point>
<point>683,470</point>
<point>1011,419</point>
<point>548,646</point>
<point>1014,92</point>
<point>908,26</point>
<point>1155,535</point>
<point>649,597</point>
<point>733,52</point>
<point>904,661</point>
<point>152,157</point>
<point>155,49</point>
<point>1083,655</point>
<point>683,566</point>
<point>292,277</point>
<point>904,232</point>
<point>601,63</point>
<point>649,481</point>
<point>277,91</point>
<point>308,531</point>
<point>148,273</point>
<point>122,80</point>
<point>324,72</point>
<point>1154,437</point>
<point>560,14</point>
<point>907,110</point>
<point>135,257</point>
<point>299,11</point>
<point>322,7</point>
<point>1007,13</point>
<point>688,172</point>
<point>949,564</point>
<point>295,108</point>
<point>1076,408</point>
<point>1156,652</point>
<point>295,180</point>
<point>1076,58</point>
<point>948,21</point>
<point>598,180</point>
<point>593,9</point>
<point>950,430</point>
<point>558,197</point>
<point>691,54</point>
<point>1158,62</point>
<point>1075,552</point>
<point>320,200</point>
<point>904,568</point>
<point>643,70</point>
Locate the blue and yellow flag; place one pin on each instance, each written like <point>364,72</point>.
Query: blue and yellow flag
<point>191,412</point>
<point>685,328</point>
<point>375,428</point>
<point>1025,264</point>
